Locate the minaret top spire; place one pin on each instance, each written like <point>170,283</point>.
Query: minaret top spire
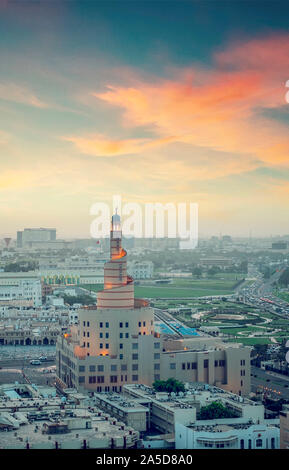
<point>115,222</point>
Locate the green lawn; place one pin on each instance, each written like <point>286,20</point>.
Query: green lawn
<point>193,288</point>
<point>250,341</point>
<point>172,292</point>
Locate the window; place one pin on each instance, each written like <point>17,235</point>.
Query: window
<point>92,379</point>
<point>134,346</point>
<point>135,378</point>
<point>250,444</point>
<point>81,368</point>
<point>113,378</point>
<point>88,345</point>
<point>100,379</point>
<point>172,365</point>
<point>126,324</point>
<point>121,346</point>
<point>157,377</point>
<point>107,335</point>
<point>242,444</point>
<point>194,365</point>
<point>134,357</point>
<point>106,346</point>
<point>183,365</point>
<point>123,367</point>
<point>91,368</point>
<point>84,323</point>
<point>101,335</point>
<point>139,323</point>
<point>120,335</point>
<point>100,345</point>
<point>273,443</point>
<point>222,363</point>
<point>106,325</point>
<point>100,368</point>
<point>81,379</point>
<point>126,335</point>
<point>121,325</point>
<point>88,334</point>
<point>101,325</point>
<point>156,366</point>
<point>135,367</point>
<point>259,442</point>
<point>157,355</point>
<point>121,356</point>
<point>157,345</point>
<point>113,367</point>
<point>88,323</point>
<point>206,363</point>
<point>144,323</point>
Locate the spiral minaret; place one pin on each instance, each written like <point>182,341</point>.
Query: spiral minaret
<point>118,289</point>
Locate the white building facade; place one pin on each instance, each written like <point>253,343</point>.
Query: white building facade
<point>21,286</point>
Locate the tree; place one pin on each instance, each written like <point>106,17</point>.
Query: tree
<point>216,411</point>
<point>197,271</point>
<point>170,385</point>
<point>213,270</point>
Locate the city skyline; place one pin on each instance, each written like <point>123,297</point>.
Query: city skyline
<point>182,105</point>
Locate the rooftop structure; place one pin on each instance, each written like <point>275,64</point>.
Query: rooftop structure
<point>59,423</point>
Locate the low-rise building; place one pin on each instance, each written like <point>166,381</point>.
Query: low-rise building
<point>130,411</point>
<point>168,409</point>
<point>21,286</point>
<point>35,422</point>
<point>227,434</point>
<point>141,269</point>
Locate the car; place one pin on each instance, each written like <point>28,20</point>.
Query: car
<point>35,362</point>
<point>42,358</point>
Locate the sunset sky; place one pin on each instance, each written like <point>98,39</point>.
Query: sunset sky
<point>158,101</point>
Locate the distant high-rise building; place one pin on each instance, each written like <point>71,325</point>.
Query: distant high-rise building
<point>29,236</point>
<point>279,246</point>
<point>227,238</point>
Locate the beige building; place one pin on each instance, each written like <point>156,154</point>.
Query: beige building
<point>115,343</point>
<point>284,428</point>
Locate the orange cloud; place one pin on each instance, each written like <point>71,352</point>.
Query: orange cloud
<point>98,145</point>
<point>219,108</point>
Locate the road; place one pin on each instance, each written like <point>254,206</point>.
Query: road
<point>275,384</point>
<point>259,293</point>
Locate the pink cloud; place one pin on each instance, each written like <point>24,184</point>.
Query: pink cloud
<point>19,94</point>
